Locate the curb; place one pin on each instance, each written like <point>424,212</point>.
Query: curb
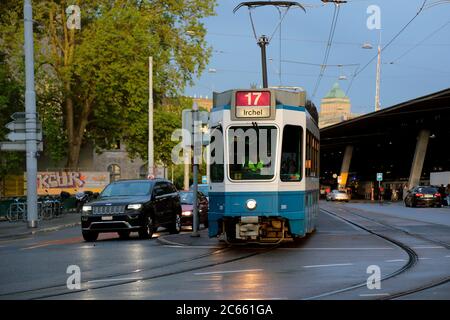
<point>44,230</point>
<point>162,240</point>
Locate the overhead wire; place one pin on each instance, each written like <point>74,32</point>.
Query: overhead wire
<point>328,48</point>
<point>387,45</point>
<point>421,41</point>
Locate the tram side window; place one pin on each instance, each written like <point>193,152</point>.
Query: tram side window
<point>291,153</point>
<point>216,156</point>
<point>312,155</point>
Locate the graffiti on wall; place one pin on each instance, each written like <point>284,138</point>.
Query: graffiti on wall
<point>71,181</point>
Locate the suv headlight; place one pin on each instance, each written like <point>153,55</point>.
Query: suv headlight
<point>135,206</point>
<point>87,209</point>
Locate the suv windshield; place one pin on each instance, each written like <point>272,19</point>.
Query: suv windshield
<point>126,188</point>
<point>252,152</point>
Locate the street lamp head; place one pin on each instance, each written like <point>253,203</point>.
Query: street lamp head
<point>367,45</point>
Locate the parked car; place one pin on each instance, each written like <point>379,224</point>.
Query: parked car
<point>187,200</point>
<point>423,196</point>
<point>127,206</point>
<point>203,188</point>
<point>337,195</point>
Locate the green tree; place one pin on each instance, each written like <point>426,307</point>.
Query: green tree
<point>99,73</point>
<point>11,100</point>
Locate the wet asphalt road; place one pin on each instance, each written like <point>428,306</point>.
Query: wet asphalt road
<point>335,257</point>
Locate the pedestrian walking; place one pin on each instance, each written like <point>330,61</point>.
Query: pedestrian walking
<point>447,192</point>
<point>442,192</point>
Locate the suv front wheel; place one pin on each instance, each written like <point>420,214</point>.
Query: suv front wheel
<point>175,227</point>
<point>146,232</point>
<point>90,236</point>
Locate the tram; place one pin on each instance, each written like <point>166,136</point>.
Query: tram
<point>264,165</point>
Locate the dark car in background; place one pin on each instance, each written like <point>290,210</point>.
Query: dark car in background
<point>127,206</point>
<point>423,196</point>
<point>203,188</point>
<point>187,207</point>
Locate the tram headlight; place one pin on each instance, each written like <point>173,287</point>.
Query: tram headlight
<point>251,204</point>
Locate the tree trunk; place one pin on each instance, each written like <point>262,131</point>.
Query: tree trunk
<point>72,148</point>
<point>75,136</point>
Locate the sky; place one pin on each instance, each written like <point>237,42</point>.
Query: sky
<point>416,63</point>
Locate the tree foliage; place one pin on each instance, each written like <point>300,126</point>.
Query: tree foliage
<point>93,83</point>
<point>11,100</point>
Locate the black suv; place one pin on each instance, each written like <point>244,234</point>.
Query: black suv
<point>133,205</point>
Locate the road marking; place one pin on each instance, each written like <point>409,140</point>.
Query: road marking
<point>193,247</point>
<point>447,256</point>
<point>227,271</point>
<point>329,265</point>
<point>396,260</point>
<point>381,248</point>
<point>425,258</point>
<point>373,294</point>
<point>54,242</point>
<point>430,247</point>
<point>114,279</point>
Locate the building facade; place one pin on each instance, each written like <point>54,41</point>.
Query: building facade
<point>335,107</point>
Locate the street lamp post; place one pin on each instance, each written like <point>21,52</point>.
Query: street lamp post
<point>197,155</point>
<point>378,73</point>
<point>150,118</point>
<point>377,86</point>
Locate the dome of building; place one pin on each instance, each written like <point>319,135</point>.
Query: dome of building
<point>335,92</point>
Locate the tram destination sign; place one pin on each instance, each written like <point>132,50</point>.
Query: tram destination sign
<point>253,104</point>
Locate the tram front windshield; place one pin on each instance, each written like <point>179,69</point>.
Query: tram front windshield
<point>252,152</point>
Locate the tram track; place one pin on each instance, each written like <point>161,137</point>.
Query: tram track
<point>135,280</point>
<point>121,274</point>
<point>412,259</point>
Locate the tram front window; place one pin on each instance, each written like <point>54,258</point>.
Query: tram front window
<point>252,152</point>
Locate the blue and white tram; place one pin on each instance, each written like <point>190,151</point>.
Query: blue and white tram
<point>264,165</point>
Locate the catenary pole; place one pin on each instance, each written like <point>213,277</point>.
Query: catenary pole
<point>31,118</point>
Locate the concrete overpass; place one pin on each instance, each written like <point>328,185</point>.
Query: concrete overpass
<point>405,142</point>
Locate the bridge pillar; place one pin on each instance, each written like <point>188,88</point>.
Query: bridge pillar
<point>345,166</point>
<point>419,158</point>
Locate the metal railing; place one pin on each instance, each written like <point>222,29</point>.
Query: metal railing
<point>47,209</point>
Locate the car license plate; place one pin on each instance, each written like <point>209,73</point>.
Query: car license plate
<point>107,218</point>
<point>428,196</point>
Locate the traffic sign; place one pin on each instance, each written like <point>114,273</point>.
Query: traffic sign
<point>22,136</point>
<point>379,176</point>
<point>19,129</point>
<point>18,146</point>
<point>188,127</point>
<point>204,179</point>
<point>19,115</point>
<point>21,126</point>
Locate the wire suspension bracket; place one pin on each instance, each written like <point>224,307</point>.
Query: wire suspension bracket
<point>263,41</point>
